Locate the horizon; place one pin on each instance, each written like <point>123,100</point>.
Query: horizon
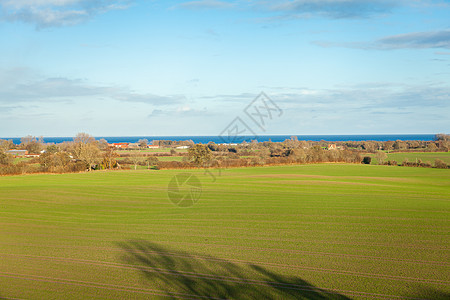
<point>204,139</point>
<point>187,67</point>
<point>208,135</point>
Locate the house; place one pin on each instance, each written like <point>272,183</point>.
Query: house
<point>32,155</point>
<point>119,145</point>
<point>17,153</point>
<point>183,147</point>
<point>133,145</point>
<point>153,146</point>
<point>332,147</point>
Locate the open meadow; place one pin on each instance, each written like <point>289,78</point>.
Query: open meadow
<point>322,231</point>
<point>429,157</point>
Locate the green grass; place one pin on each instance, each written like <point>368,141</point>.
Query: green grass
<point>170,158</point>
<point>22,159</point>
<point>157,150</point>
<point>289,232</point>
<point>413,156</point>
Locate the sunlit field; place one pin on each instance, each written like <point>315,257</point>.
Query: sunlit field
<point>324,231</point>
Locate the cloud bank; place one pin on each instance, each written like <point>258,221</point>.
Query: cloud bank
<point>20,86</point>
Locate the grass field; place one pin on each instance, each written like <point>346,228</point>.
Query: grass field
<point>157,150</point>
<point>413,156</point>
<point>326,231</point>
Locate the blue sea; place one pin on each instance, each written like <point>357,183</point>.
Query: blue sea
<point>261,138</point>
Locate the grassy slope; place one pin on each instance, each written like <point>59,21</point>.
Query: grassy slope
<point>290,230</point>
<point>412,156</point>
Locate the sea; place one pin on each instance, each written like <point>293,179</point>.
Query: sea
<point>261,138</point>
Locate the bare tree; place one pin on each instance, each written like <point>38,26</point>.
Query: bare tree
<point>83,138</point>
<point>380,156</point>
<point>135,158</point>
<point>143,143</point>
<point>31,144</point>
<point>109,158</point>
<point>103,144</point>
<point>86,149</point>
<point>6,145</point>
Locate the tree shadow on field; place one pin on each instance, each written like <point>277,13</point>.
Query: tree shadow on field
<point>429,293</point>
<point>185,275</point>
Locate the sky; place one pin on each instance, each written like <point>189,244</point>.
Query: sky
<point>154,68</point>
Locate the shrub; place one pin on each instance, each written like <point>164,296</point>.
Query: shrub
<point>440,164</point>
<point>367,160</point>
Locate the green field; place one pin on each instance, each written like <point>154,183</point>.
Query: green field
<point>325,231</point>
<point>157,150</point>
<point>414,156</point>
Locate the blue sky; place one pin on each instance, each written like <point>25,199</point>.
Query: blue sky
<point>132,67</point>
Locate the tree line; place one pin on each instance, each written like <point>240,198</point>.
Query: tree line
<point>85,153</point>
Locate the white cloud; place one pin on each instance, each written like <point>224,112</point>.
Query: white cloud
<point>53,13</point>
<point>23,86</point>
<point>415,40</point>
<point>206,4</point>
<point>336,9</point>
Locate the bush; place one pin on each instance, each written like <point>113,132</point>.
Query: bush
<point>367,160</point>
<point>391,163</point>
<point>440,164</point>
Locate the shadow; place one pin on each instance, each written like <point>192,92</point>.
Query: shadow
<point>429,293</point>
<point>184,275</point>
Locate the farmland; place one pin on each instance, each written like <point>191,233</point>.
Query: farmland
<point>337,231</point>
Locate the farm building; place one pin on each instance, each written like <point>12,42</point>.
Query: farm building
<point>153,146</point>
<point>332,147</point>
<point>133,145</point>
<point>119,145</point>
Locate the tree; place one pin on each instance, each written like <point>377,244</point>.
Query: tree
<point>380,156</point>
<point>442,137</point>
<point>432,146</point>
<point>440,164</point>
<point>143,143</point>
<point>151,161</point>
<point>86,149</point>
<point>200,154</point>
<point>83,138</point>
<point>54,160</point>
<point>6,145</point>
<point>135,158</point>
<point>5,159</point>
<point>388,146</point>
<point>109,158</point>
<point>31,144</point>
<point>400,145</point>
<point>52,148</point>
<point>103,144</point>
<point>61,159</point>
<point>370,146</point>
<point>367,160</point>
